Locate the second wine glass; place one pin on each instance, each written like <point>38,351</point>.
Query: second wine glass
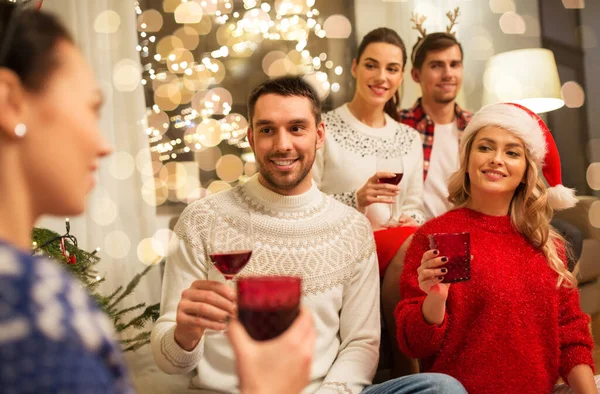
<point>231,242</point>
<point>392,165</point>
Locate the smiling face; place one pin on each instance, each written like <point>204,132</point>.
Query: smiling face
<point>441,75</point>
<point>63,144</point>
<point>378,73</point>
<point>497,163</point>
<point>285,137</point>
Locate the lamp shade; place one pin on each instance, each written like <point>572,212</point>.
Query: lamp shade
<point>526,76</point>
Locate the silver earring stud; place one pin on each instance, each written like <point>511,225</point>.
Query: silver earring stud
<point>20,130</point>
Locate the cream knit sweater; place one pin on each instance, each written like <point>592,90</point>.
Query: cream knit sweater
<point>311,235</point>
<point>349,156</point>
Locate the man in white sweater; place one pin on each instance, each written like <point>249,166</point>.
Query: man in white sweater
<point>299,231</point>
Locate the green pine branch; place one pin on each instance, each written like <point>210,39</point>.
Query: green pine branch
<point>83,270</point>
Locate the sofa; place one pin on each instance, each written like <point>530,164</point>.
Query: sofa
<point>583,216</point>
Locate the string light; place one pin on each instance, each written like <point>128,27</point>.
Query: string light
<point>239,33</point>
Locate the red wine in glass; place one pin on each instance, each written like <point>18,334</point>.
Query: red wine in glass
<point>268,305</point>
<point>267,323</point>
<point>230,263</point>
<point>394,180</point>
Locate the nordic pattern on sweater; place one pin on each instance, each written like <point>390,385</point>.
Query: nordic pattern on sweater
<point>349,156</point>
<point>329,245</point>
<point>53,337</point>
<point>363,145</point>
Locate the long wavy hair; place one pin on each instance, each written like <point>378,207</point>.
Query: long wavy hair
<point>529,210</point>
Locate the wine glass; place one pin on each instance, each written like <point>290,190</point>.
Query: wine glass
<point>231,242</point>
<point>392,165</point>
<point>268,305</point>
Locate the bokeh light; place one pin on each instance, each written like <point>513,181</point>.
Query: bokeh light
<point>593,176</point>
<point>168,241</point>
<point>570,4</point>
<point>167,45</point>
<point>502,6</point>
<point>117,244</point>
<point>230,168</point>
<point>573,94</point>
<point>121,165</point>
<point>107,22</point>
<point>337,26</point>
<point>171,5</point>
<point>203,27</point>
<point>218,186</point>
<point>159,121</point>
<point>512,23</point>
<point>271,58</point>
<point>103,209</point>
<point>154,191</point>
<point>188,12</point>
<point>150,21</point>
<point>209,132</point>
<point>219,101</point>
<point>594,214</point>
<point>481,44</point>
<point>188,36</point>
<point>250,169</point>
<point>150,251</point>
<point>127,75</point>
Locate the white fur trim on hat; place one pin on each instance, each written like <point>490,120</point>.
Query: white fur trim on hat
<point>515,120</point>
<point>560,197</point>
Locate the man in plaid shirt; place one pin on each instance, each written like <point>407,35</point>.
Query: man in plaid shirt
<point>438,68</point>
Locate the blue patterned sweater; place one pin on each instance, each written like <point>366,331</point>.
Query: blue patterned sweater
<point>53,337</point>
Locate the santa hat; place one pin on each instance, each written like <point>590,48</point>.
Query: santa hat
<point>538,140</point>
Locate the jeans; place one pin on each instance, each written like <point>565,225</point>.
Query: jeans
<point>422,383</point>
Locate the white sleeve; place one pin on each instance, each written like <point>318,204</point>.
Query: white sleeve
<point>318,174</point>
<point>318,168</point>
<point>360,331</point>
<point>183,267</point>
<point>413,199</point>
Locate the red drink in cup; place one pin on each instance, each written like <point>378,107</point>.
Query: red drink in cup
<point>395,180</point>
<point>457,248</point>
<point>268,305</point>
<point>230,263</point>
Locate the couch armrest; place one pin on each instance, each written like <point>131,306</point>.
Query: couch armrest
<point>589,262</point>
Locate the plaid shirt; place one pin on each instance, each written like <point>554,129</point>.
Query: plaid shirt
<point>416,118</point>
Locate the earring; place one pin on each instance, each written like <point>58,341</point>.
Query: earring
<point>20,130</point>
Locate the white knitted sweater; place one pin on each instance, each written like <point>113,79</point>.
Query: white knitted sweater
<point>349,156</point>
<point>311,235</point>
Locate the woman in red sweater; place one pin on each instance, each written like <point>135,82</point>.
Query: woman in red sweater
<point>516,325</point>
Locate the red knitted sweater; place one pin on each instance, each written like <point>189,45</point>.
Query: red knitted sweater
<point>508,329</point>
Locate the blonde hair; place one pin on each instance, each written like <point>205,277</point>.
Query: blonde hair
<point>529,210</point>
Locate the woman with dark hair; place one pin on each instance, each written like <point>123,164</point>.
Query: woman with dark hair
<point>359,136</point>
<point>364,132</point>
<point>53,337</point>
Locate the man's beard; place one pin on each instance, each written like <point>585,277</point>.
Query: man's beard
<point>444,99</point>
<point>276,183</point>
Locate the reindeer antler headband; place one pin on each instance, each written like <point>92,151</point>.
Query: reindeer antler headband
<point>418,21</point>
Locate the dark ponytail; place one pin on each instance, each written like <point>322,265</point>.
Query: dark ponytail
<point>28,40</point>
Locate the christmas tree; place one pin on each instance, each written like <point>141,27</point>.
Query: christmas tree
<point>64,249</point>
